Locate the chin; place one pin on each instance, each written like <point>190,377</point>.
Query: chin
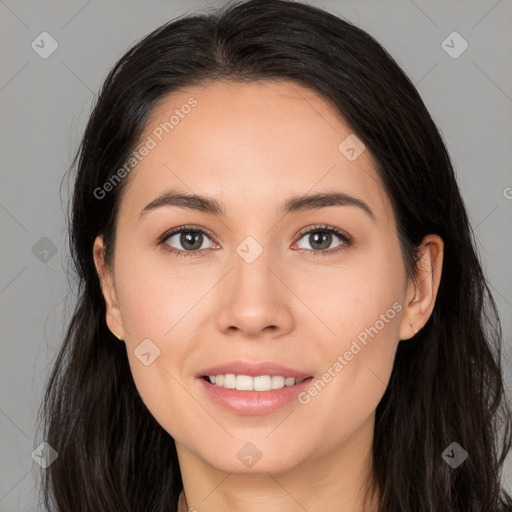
<point>252,458</point>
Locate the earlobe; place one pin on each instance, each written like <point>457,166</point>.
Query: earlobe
<point>113,313</point>
<point>422,289</point>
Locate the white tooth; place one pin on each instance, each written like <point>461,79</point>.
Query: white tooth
<point>277,382</point>
<point>262,383</point>
<point>229,381</point>
<point>249,383</point>
<point>244,383</point>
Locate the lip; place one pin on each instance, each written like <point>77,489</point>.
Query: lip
<point>253,402</point>
<point>253,369</point>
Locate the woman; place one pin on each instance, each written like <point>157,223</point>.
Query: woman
<point>281,306</point>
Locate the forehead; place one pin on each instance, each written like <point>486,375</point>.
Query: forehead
<point>248,144</point>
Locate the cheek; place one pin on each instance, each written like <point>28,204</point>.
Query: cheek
<point>358,300</point>
<point>355,373</point>
<point>157,352</point>
<point>153,311</point>
<point>358,358</point>
<point>362,308</point>
<point>150,294</point>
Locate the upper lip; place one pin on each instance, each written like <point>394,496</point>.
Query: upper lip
<point>253,369</point>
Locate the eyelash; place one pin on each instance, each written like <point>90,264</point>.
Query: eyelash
<point>345,238</point>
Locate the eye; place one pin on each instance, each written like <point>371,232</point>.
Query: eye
<point>321,237</point>
<point>190,238</point>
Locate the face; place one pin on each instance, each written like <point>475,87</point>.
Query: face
<point>319,288</point>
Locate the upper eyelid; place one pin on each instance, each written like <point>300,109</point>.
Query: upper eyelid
<point>322,227</point>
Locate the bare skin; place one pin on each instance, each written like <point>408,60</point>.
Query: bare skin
<point>251,147</point>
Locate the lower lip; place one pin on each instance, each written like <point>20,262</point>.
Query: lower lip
<point>253,402</point>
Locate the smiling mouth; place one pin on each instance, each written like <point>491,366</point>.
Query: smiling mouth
<point>249,383</point>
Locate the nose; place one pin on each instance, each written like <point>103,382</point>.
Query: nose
<point>255,299</point>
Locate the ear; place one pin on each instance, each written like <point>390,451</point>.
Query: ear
<point>422,288</point>
<point>113,313</point>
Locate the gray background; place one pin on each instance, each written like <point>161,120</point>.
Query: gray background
<point>44,104</point>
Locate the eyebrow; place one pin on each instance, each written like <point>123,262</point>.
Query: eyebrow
<point>294,204</point>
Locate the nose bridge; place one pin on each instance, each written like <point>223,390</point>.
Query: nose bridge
<point>255,298</point>
<point>252,262</point>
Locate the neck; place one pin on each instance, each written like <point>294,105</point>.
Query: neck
<point>333,481</point>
